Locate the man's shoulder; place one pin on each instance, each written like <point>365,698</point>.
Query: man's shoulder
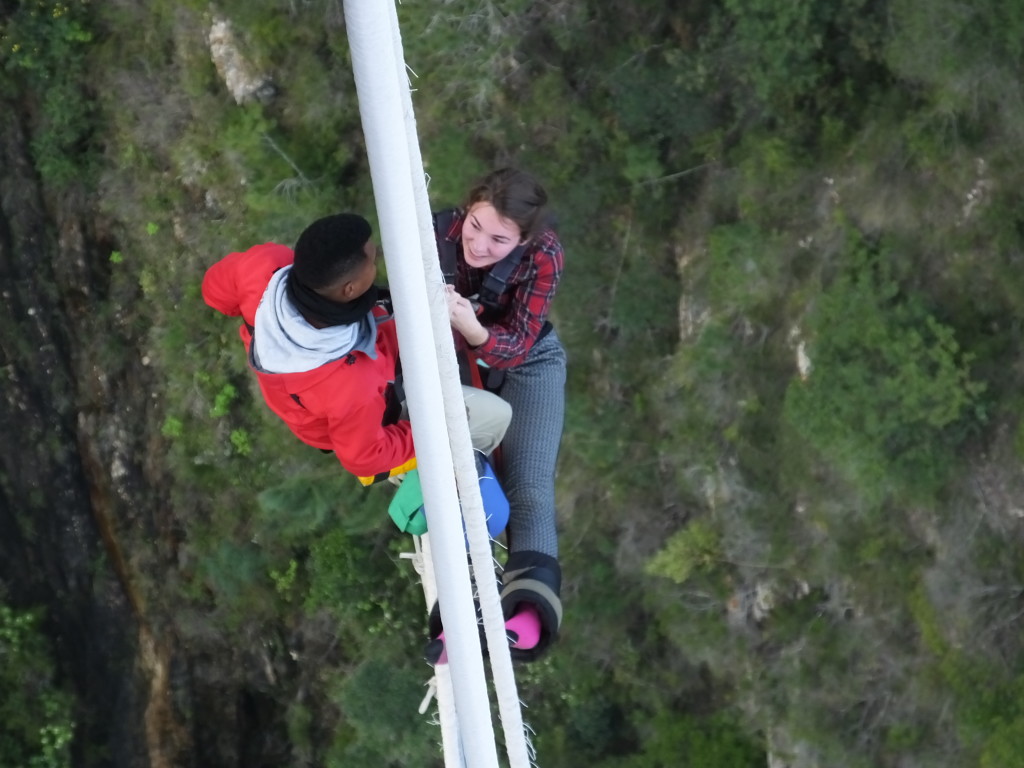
<point>274,254</point>
<point>239,278</point>
<point>259,260</point>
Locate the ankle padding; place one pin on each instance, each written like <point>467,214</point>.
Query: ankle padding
<point>534,578</point>
<point>434,625</point>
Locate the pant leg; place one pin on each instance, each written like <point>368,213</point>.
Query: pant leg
<point>489,417</point>
<point>529,452</point>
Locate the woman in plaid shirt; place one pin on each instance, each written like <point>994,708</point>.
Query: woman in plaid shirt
<point>504,229</point>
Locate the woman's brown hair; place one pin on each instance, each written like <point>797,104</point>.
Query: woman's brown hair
<point>516,196</point>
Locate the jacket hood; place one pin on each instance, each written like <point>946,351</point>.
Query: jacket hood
<point>284,342</point>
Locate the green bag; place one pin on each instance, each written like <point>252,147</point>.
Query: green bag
<point>406,508</point>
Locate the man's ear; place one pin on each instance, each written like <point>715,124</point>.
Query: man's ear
<point>348,290</point>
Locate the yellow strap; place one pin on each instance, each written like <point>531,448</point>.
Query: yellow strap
<point>380,477</point>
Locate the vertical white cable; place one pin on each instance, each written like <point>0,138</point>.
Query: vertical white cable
<point>462,452</point>
<point>451,743</point>
<point>380,93</point>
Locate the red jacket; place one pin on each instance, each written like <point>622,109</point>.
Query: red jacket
<point>338,406</point>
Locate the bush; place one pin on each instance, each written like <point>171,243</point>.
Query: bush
<point>45,42</point>
<point>789,63</point>
<point>36,725</point>
<point>692,549</point>
<point>389,732</point>
<point>709,742</point>
<point>890,394</point>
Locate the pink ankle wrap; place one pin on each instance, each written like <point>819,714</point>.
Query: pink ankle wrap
<point>526,624</point>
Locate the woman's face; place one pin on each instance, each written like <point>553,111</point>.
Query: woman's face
<point>487,237</point>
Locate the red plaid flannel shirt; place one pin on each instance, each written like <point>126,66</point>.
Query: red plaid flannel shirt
<point>525,303</point>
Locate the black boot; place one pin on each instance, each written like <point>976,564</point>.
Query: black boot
<point>534,578</point>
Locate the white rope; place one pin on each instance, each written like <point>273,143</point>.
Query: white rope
<point>451,743</point>
<point>439,686</point>
<point>473,511</point>
<point>380,92</point>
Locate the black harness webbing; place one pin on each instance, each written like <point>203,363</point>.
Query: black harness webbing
<point>494,284</point>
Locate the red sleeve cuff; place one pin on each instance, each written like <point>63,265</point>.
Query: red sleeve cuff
<point>488,344</point>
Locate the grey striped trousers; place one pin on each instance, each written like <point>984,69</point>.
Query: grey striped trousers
<point>529,452</point>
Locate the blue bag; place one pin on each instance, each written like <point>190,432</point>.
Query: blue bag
<point>408,513</point>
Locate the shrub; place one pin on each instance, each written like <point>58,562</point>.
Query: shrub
<point>36,724</point>
<point>44,42</point>
<point>891,391</point>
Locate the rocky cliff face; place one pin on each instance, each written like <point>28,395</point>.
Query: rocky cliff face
<point>73,470</point>
<point>51,552</point>
<point>88,528</point>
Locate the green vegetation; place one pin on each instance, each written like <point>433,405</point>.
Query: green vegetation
<point>36,712</point>
<point>789,483</point>
<point>890,396</point>
<point>45,44</point>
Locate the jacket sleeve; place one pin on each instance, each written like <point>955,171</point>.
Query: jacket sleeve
<point>368,449</point>
<point>234,285</point>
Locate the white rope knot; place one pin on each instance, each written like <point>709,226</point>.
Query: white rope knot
<point>429,696</point>
<point>416,557</point>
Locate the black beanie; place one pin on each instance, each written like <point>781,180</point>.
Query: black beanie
<point>330,248</point>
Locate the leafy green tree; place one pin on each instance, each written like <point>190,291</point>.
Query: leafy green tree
<point>390,732</point>
<point>681,740</point>
<point>890,394</point>
<point>966,57</point>
<point>789,64</point>
<point>44,42</point>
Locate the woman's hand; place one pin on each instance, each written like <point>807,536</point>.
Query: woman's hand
<point>463,318</point>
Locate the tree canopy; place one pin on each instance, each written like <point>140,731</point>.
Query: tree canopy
<point>788,487</point>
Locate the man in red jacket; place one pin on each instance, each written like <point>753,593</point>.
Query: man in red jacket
<point>324,349</point>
